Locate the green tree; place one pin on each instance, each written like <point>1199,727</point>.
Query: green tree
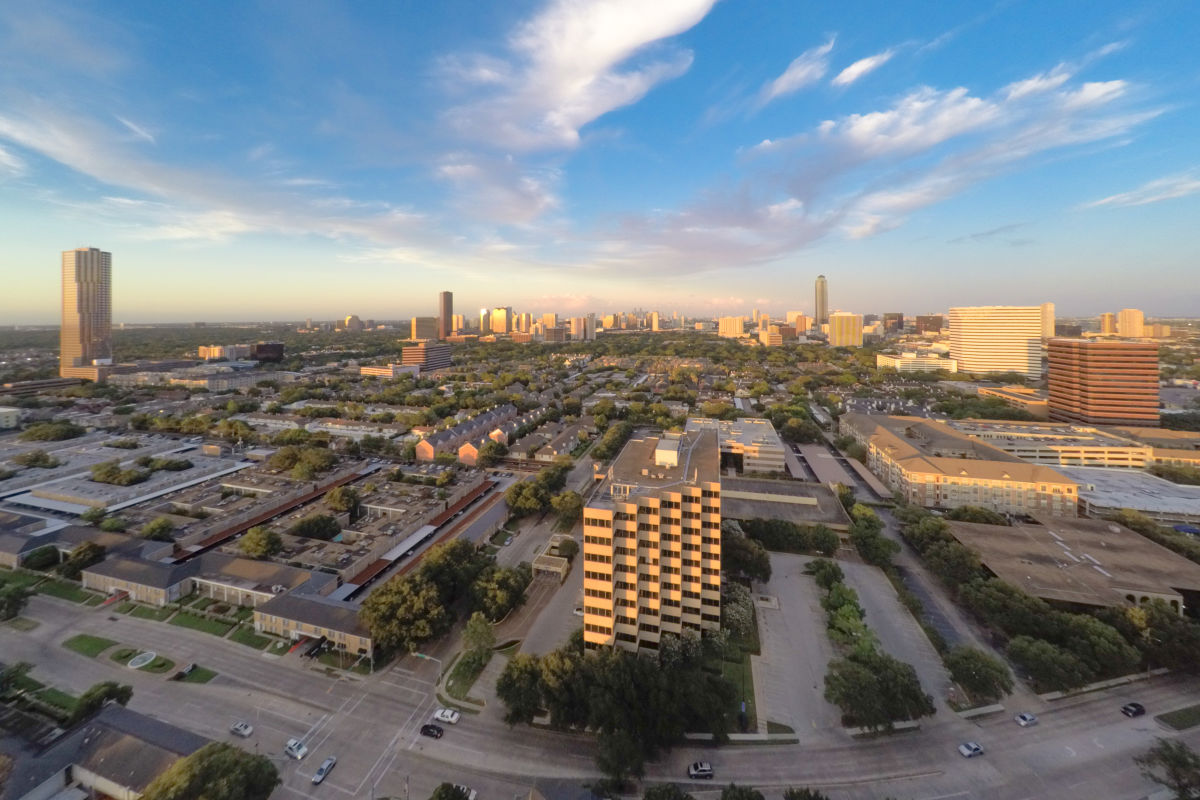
<point>13,598</point>
<point>1174,765</point>
<point>93,516</point>
<point>745,558</point>
<point>804,794</point>
<point>490,454</point>
<point>113,525</point>
<point>519,688</point>
<point>316,526</point>
<point>217,771</point>
<point>259,542</point>
<point>344,499</point>
<point>404,613</point>
<point>666,791</point>
<point>977,514</point>
<point>735,792</point>
<point>94,698</point>
<point>1049,666</point>
<point>569,506</point>
<point>448,791</point>
<point>159,530</point>
<point>478,639</point>
<point>82,557</point>
<point>984,677</point>
<point>51,432</point>
<point>498,590</point>
<point>42,558</point>
<point>874,690</point>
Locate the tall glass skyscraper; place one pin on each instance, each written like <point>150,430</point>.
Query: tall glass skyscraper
<point>821,304</point>
<point>86,336</point>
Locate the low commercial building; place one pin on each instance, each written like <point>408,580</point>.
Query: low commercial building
<point>295,616</point>
<point>911,362</point>
<point>748,444</point>
<point>1083,563</point>
<point>1023,397</point>
<point>1103,492</point>
<point>933,465</point>
<point>390,371</point>
<point>1058,443</point>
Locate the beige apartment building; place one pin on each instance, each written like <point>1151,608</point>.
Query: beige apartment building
<point>652,543</point>
<point>933,465</point>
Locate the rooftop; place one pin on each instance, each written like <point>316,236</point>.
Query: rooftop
<point>1123,488</point>
<point>637,468</point>
<point>794,501</point>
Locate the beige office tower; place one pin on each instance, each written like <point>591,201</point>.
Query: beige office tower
<point>1108,322</point>
<point>654,321</point>
<point>997,339</point>
<point>652,543</point>
<point>1047,320</point>
<point>86,336</point>
<point>845,329</point>
<point>731,327</point>
<point>549,319</point>
<point>1131,323</point>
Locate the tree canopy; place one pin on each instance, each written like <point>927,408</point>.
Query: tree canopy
<point>217,771</point>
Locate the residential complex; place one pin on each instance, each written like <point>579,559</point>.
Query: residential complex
<point>987,339</point>
<point>86,335</point>
<point>652,542</point>
<point>1103,381</point>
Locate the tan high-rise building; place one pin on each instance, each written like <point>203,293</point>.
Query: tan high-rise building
<point>1108,323</point>
<point>731,327</point>
<point>997,339</point>
<point>1131,323</point>
<point>1047,320</point>
<point>654,321</point>
<point>1103,382</point>
<point>502,320</point>
<point>445,315</point>
<point>425,328</point>
<point>86,335</point>
<point>821,301</point>
<point>652,543</point>
<point>549,319</point>
<point>799,320</point>
<point>845,329</point>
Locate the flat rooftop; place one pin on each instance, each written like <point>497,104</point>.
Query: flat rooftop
<point>745,431</point>
<point>1048,434</point>
<point>1084,561</point>
<point>1125,488</point>
<point>696,458</point>
<point>793,501</point>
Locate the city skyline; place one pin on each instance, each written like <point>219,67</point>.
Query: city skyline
<point>557,155</point>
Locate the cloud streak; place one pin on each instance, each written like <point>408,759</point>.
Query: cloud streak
<point>805,70</point>
<point>1171,187</point>
<point>862,67</point>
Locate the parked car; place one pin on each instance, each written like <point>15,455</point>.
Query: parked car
<point>323,770</point>
<point>432,731</point>
<point>295,749</point>
<point>700,769</point>
<point>467,791</point>
<point>1133,709</point>
<point>1025,719</point>
<point>242,729</point>
<point>447,715</point>
<point>970,749</point>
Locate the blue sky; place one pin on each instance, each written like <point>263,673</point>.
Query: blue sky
<point>267,160</point>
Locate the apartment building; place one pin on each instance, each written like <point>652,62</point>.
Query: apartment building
<point>652,542</point>
<point>1103,381</point>
<point>933,465</point>
<point>731,327</point>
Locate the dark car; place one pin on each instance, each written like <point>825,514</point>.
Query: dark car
<point>432,731</point>
<point>1133,709</point>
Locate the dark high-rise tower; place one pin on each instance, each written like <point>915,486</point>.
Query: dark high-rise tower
<point>821,305</point>
<point>445,314</point>
<point>86,336</point>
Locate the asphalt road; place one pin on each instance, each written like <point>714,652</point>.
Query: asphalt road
<point>1082,748</point>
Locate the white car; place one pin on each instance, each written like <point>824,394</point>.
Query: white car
<point>295,749</point>
<point>242,729</point>
<point>324,769</point>
<point>970,749</point>
<point>467,791</point>
<point>1025,719</point>
<point>447,715</point>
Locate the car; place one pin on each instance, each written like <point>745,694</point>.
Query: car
<point>447,715</point>
<point>241,728</point>
<point>700,769</point>
<point>322,771</point>
<point>508,541</point>
<point>1133,709</point>
<point>970,749</point>
<point>1025,719</point>
<point>295,749</point>
<point>432,731</point>
<point>578,611</point>
<point>467,791</point>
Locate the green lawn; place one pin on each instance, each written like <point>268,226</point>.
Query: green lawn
<point>23,624</point>
<point>462,678</point>
<point>740,675</point>
<point>150,612</point>
<point>185,620</point>
<point>199,675</point>
<point>779,727</point>
<point>8,576</point>
<point>336,658</point>
<point>25,683</point>
<point>88,645</point>
<point>159,665</point>
<point>125,607</point>
<point>1181,718</point>
<point>243,613</point>
<point>67,591</point>
<point>122,654</point>
<point>58,699</point>
<point>245,635</point>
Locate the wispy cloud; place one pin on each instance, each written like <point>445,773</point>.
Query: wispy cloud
<point>1156,191</point>
<point>566,67</point>
<point>498,190</point>
<point>991,233</point>
<point>10,164</point>
<point>862,67</point>
<point>805,70</point>
<point>137,130</point>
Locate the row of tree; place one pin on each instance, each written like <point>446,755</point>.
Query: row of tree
<point>787,537</point>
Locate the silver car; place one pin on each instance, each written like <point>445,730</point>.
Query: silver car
<point>1025,719</point>
<point>323,770</point>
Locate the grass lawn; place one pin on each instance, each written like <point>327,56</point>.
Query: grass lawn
<point>739,674</point>
<point>185,620</point>
<point>10,577</point>
<point>1181,718</point>
<point>246,635</point>
<point>779,727</point>
<point>199,675</point>
<point>67,591</point>
<point>122,654</point>
<point>151,612</point>
<point>24,683</point>
<point>23,624</point>
<point>125,607</point>
<point>462,678</point>
<point>94,600</point>
<point>88,645</point>
<point>243,613</point>
<point>158,666</point>
<point>336,658</point>
<point>58,699</point>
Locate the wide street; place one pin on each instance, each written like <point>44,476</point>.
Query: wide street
<point>1082,748</point>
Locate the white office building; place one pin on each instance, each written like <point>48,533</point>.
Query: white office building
<point>997,339</point>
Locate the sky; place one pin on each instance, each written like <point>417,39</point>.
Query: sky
<point>279,160</point>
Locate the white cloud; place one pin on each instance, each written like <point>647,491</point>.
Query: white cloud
<point>10,164</point>
<point>805,70</point>
<point>861,67</point>
<point>1038,84</point>
<point>920,120</point>
<point>1168,188</point>
<point>564,70</point>
<point>498,190</point>
<point>137,130</point>
<point>1095,94</point>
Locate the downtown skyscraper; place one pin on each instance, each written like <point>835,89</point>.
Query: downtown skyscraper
<point>821,302</point>
<point>445,315</point>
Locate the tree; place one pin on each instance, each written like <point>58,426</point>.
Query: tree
<point>261,543</point>
<point>51,432</point>
<point>404,613</point>
<point>94,698</point>
<point>316,526</point>
<point>1173,764</point>
<point>113,525</point>
<point>825,572</point>
<point>217,771</point>
<point>42,558</point>
<point>745,558</point>
<point>735,792</point>
<point>519,688</point>
<point>80,559</point>
<point>13,597</point>
<point>874,690</point>
<point>159,530</point>
<point>448,791</point>
<point>569,506</point>
<point>344,499</point>
<point>984,677</point>
<point>490,454</point>
<point>737,611</point>
<point>478,639</point>
<point>977,514</point>
<point>825,540</point>
<point>666,791</point>
<point>804,794</point>
<point>93,516</point>
<point>498,590</point>
<point>1049,666</point>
